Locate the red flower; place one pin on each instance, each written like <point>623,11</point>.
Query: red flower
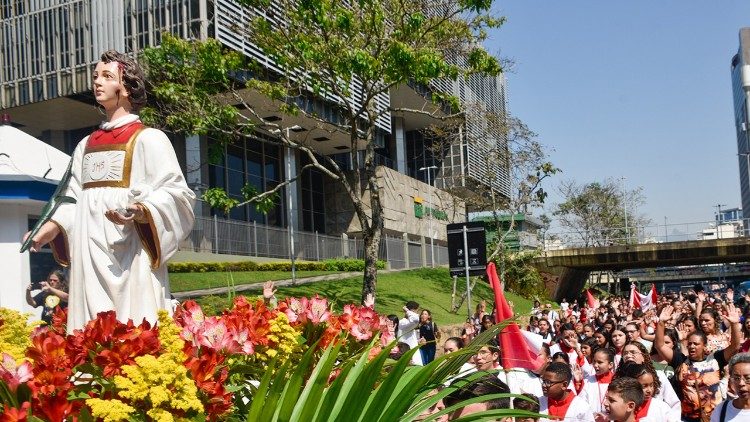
<point>111,343</point>
<point>59,320</point>
<point>210,376</point>
<point>55,407</point>
<point>11,414</point>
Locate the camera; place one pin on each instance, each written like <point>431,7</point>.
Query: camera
<point>36,285</point>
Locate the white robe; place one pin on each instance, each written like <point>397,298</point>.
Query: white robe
<point>578,411</point>
<point>122,267</point>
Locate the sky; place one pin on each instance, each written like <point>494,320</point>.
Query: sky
<point>637,89</point>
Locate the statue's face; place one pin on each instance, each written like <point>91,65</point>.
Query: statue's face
<point>107,85</point>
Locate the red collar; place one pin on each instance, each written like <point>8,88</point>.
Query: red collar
<point>643,410</point>
<point>560,407</point>
<point>604,379</point>
<point>118,135</point>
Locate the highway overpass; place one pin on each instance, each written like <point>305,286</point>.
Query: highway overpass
<point>565,271</point>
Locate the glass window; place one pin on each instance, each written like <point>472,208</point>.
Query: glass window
<point>254,164</point>
<point>235,157</point>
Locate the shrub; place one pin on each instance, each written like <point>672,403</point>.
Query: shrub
<point>326,265</point>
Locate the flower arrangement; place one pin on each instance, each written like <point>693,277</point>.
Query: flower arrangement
<point>187,366</point>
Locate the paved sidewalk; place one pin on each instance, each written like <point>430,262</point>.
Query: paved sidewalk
<point>277,283</point>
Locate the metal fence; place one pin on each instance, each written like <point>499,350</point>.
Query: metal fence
<point>221,236</point>
<point>656,233</point>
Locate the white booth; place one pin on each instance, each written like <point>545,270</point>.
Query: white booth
<point>29,172</point>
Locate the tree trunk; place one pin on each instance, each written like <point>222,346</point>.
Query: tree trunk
<point>372,247</point>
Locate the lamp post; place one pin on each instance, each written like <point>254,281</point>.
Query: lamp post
<point>429,200</point>
<point>625,212</point>
<point>289,190</point>
<point>745,80</point>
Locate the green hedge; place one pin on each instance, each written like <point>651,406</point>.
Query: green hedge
<point>327,265</point>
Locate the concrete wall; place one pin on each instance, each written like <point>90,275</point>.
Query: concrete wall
<point>398,193</point>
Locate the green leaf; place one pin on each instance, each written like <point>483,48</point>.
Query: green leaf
<point>309,401</point>
<point>291,393</point>
<point>6,396</point>
<point>259,398</point>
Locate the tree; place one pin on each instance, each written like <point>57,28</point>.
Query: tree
<point>515,161</point>
<point>350,54</point>
<point>595,214</point>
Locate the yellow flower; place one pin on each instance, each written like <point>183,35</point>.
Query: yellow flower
<point>15,333</point>
<point>169,335</point>
<point>110,410</point>
<point>282,339</point>
<point>160,384</point>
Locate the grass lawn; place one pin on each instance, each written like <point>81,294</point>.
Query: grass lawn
<point>429,287</point>
<point>182,282</point>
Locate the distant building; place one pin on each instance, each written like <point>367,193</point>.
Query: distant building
<point>523,236</point>
<point>727,225</point>
<point>725,230</point>
<point>729,215</point>
<point>741,98</point>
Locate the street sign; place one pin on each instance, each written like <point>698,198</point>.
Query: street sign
<point>470,251</point>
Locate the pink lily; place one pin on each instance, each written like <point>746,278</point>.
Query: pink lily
<point>13,374</point>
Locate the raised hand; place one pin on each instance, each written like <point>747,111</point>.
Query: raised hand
<point>369,301</point>
<point>268,290</point>
<point>701,296</point>
<point>733,314</point>
<point>682,331</point>
<point>666,313</point>
<point>577,372</point>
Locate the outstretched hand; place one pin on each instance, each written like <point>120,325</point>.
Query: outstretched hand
<point>268,290</point>
<point>682,331</point>
<point>666,314</point>
<point>369,301</point>
<point>701,296</point>
<point>134,212</point>
<point>733,314</point>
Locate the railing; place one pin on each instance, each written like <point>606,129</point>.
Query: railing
<point>676,232</point>
<point>221,236</point>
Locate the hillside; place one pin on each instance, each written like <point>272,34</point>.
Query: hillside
<point>430,287</point>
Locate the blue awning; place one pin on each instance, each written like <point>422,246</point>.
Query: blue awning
<point>26,189</point>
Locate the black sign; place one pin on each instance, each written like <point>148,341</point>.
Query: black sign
<point>474,252</point>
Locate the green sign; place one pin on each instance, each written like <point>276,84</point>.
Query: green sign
<point>421,211</point>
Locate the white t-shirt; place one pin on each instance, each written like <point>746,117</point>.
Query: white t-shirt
<point>733,414</point>
<point>578,411</point>
<point>660,411</point>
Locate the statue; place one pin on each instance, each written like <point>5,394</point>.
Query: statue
<point>127,207</point>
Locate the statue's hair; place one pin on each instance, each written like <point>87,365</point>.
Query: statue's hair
<point>133,78</point>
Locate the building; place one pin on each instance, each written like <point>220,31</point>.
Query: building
<point>740,70</point>
<point>47,52</point>
<point>728,215</point>
<point>728,224</point>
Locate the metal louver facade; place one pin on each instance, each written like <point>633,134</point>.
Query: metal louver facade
<point>48,47</point>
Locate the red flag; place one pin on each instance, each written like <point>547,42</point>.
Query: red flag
<point>644,302</point>
<point>592,301</point>
<point>515,352</point>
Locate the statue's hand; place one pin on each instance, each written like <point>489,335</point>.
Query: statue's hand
<point>46,233</point>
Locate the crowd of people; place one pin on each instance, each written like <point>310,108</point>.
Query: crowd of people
<point>683,358</point>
